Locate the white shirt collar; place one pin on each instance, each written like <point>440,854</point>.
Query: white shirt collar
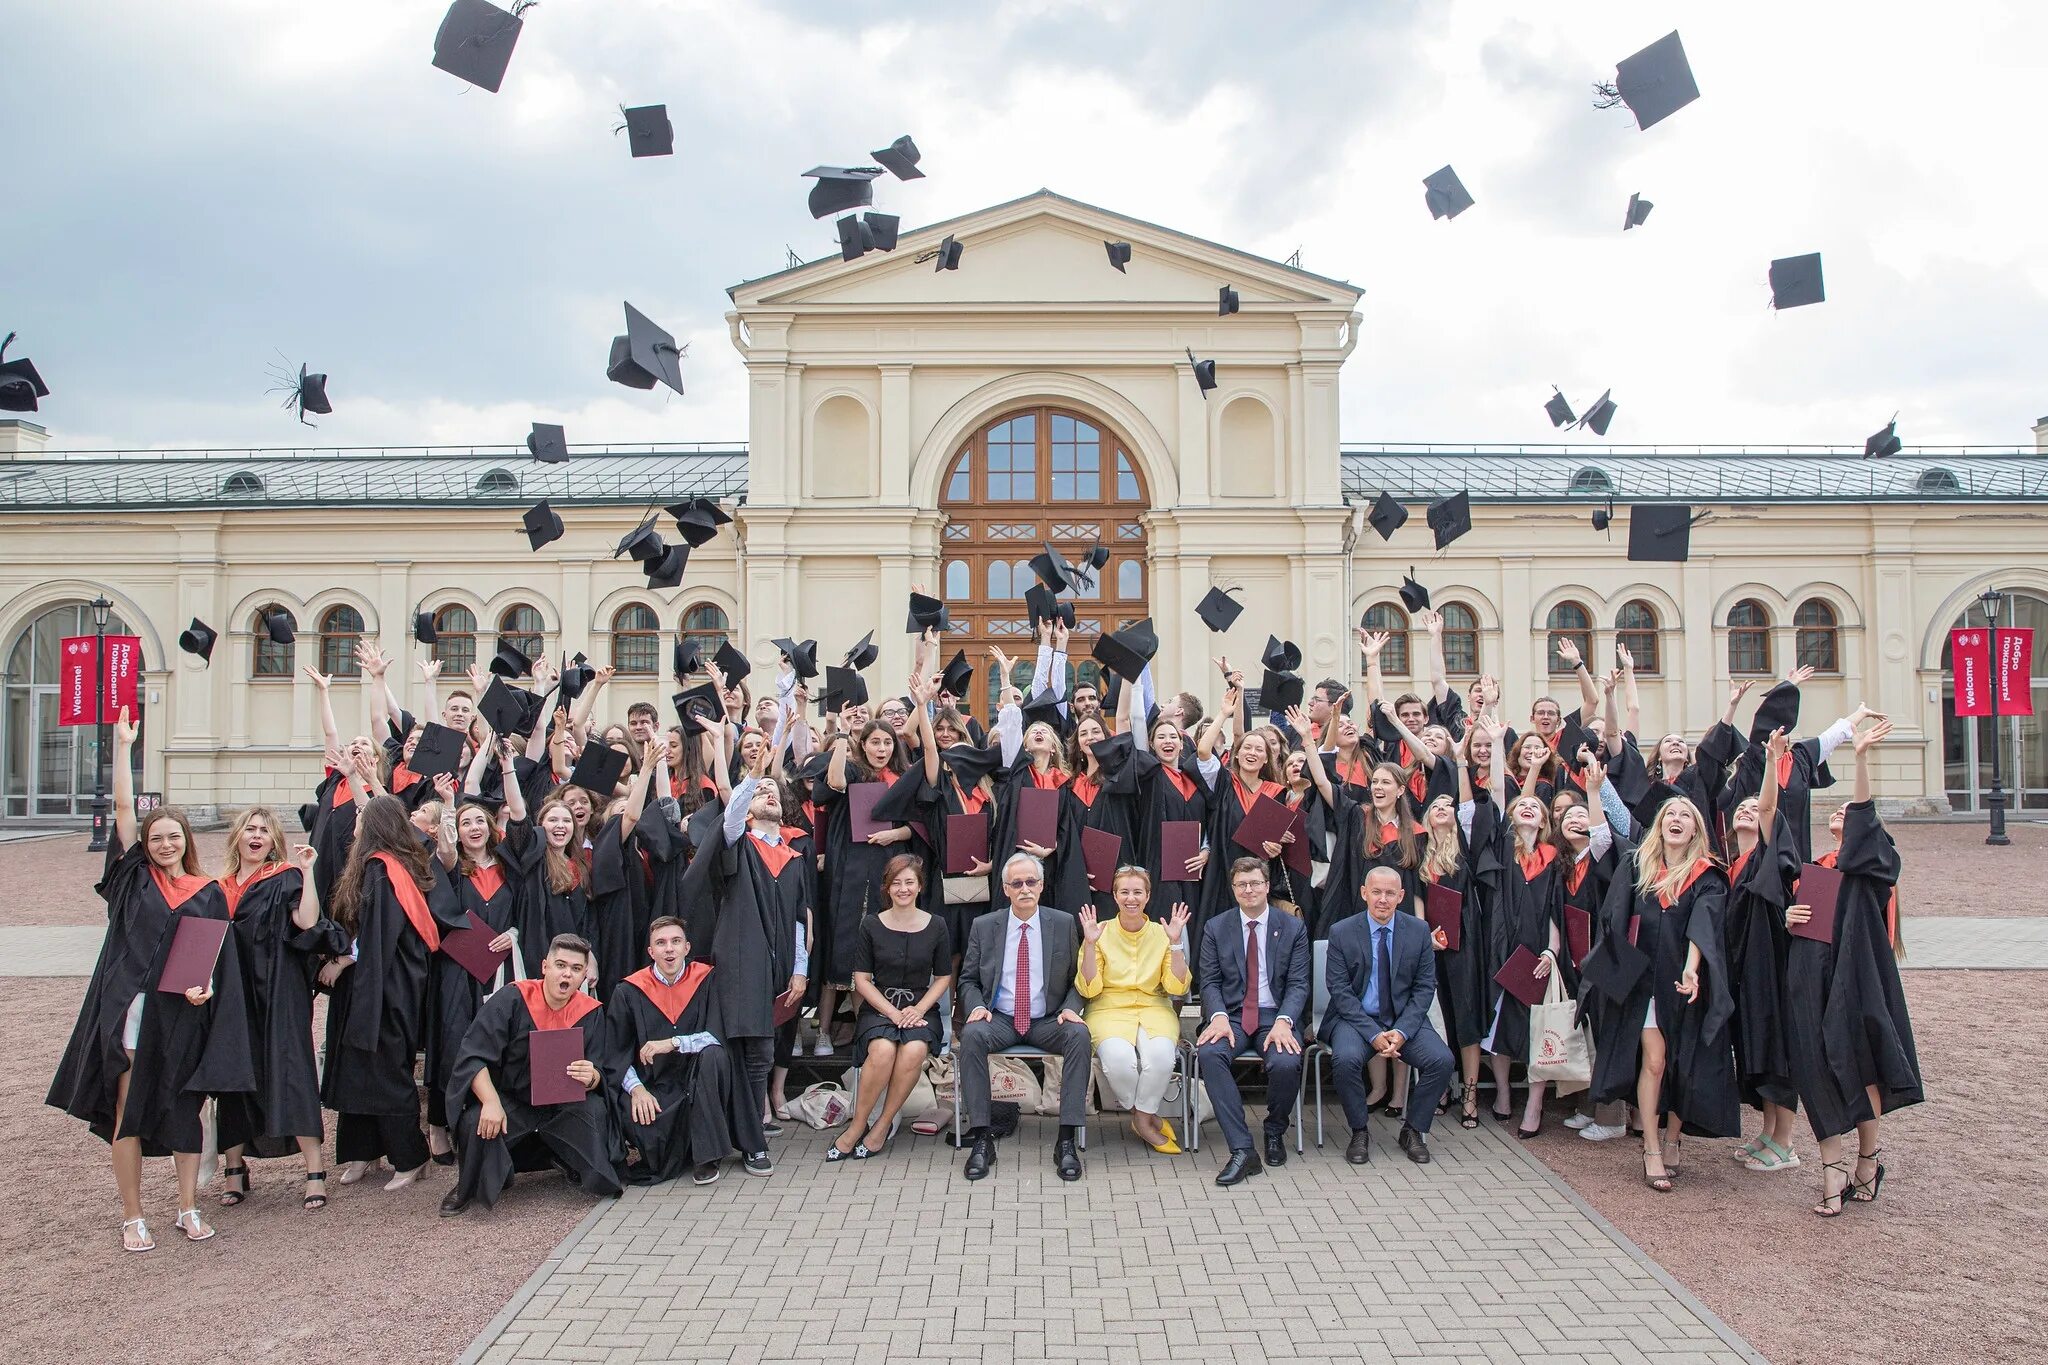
<point>669,980</point>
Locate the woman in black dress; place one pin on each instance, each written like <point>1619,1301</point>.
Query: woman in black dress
<point>902,964</point>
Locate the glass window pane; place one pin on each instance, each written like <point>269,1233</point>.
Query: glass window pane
<point>1062,487</point>
<point>998,580</point>
<point>1126,480</point>
<point>957,581</point>
<point>1385,616</point>
<point>1024,428</point>
<point>1130,579</point>
<point>1062,427</point>
<point>1089,487</point>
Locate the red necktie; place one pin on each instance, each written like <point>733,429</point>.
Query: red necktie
<point>1248,1013</point>
<point>1020,1001</point>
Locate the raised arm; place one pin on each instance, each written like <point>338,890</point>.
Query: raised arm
<point>835,771</point>
<point>1372,642</point>
<point>1439,671</point>
<point>1212,729</point>
<point>1865,742</point>
<point>1312,759</point>
<point>636,797</point>
<point>1633,701</point>
<point>124,780</point>
<point>430,673</point>
<point>1589,691</point>
<point>1767,799</point>
<point>921,722</point>
<point>586,702</point>
<point>1009,726</point>
<point>508,771</point>
<point>306,913</point>
<point>1738,688</point>
<point>479,759</point>
<point>328,736</point>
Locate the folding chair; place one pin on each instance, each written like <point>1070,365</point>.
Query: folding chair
<point>1028,1054</point>
<point>1319,1005</point>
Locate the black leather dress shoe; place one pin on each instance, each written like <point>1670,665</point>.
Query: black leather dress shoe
<point>1360,1150</point>
<point>1066,1159</point>
<point>1413,1144</point>
<point>981,1157</point>
<point>452,1203</point>
<point>1241,1167</point>
<point>1276,1149</point>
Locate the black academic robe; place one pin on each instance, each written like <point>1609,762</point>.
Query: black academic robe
<point>1109,803</point>
<point>377,1016</point>
<point>1587,881</point>
<point>1431,776</point>
<point>185,1051</point>
<point>455,995</point>
<point>1160,799</point>
<point>332,831</point>
<point>914,798</point>
<point>1759,883</point>
<point>579,1138</point>
<point>695,1090</point>
<point>1464,986</point>
<point>411,789</point>
<point>1865,1026</point>
<point>618,908</point>
<point>1350,861</point>
<point>1699,1065</point>
<point>852,882</point>
<point>1320,825</point>
<point>278,963</point>
<point>540,912</point>
<point>747,900</point>
<point>1800,777</point>
<point>1524,911</point>
<point>1066,873</point>
<point>1229,800</point>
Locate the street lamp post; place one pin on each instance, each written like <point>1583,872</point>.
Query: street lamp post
<point>100,607</point>
<point>1993,599</point>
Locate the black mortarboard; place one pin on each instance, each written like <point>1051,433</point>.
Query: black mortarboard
<point>1218,609</point>
<point>881,230</point>
<point>649,131</point>
<point>423,628</point>
<point>1656,82</point>
<point>511,661</point>
<point>666,570</point>
<point>1885,442</point>
<point>20,385</point>
<point>549,444</point>
<point>648,357</point>
<point>1779,710</point>
<point>1044,707</point>
<point>1599,415</point>
<point>1558,408</point>
<point>1040,604</point>
<point>1205,373</point>
<point>948,254</point>
<point>1450,518</point>
<point>863,654</point>
<point>1279,690</point>
<point>1643,810</point>
<point>1226,301</point>
<point>439,751</point>
<point>840,188</point>
<point>699,707</point>
<point>1053,570</point>
<point>698,520</point>
<point>684,660</point>
<point>1126,652</point>
<point>900,159</point>
<point>1413,595</point>
<point>802,655</point>
<point>926,613</point>
<point>1445,194</point>
<point>843,688</point>
<point>543,525</point>
<point>198,638</point>
<point>1796,281</point>
<point>475,40</point>
<point>1638,210</point>
<point>972,762</point>
<point>732,663</point>
<point>1603,517</point>
<point>1614,967</point>
<point>1570,739</point>
<point>643,542</point>
<point>1280,655</point>
<point>278,626</point>
<point>509,710</point>
<point>577,674</point>
<point>1119,255</point>
<point>855,241</point>
<point>959,675</point>
<point>598,769</point>
<point>311,395</point>
<point>1387,516</point>
<point>1660,532</point>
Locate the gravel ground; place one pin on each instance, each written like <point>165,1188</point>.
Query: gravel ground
<point>1944,1267</point>
<point>373,1276</point>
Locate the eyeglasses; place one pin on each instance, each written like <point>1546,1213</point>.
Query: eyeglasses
<point>1020,883</point>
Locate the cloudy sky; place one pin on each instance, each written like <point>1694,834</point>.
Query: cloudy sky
<point>196,191</point>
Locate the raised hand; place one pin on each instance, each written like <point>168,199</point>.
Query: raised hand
<point>1059,637</point>
<point>1091,925</point>
<point>430,669</point>
<point>1627,660</point>
<point>1738,688</point>
<point>124,731</point>
<point>1177,924</point>
<point>1778,745</point>
<point>1864,739</point>
<point>1373,641</point>
<point>1432,621</point>
<point>479,679</point>
<point>320,680</point>
<point>444,787</point>
<point>1798,676</point>
<point>304,856</point>
<point>1568,651</point>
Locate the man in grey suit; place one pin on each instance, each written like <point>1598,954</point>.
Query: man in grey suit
<point>1017,980</point>
<point>1254,979</point>
<point>1380,970</point>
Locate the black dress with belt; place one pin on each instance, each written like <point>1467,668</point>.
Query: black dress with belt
<point>903,966</point>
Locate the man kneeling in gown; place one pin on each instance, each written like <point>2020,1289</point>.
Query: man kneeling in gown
<point>670,1065</point>
<point>498,1128</point>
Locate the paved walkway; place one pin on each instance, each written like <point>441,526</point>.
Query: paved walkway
<point>1976,944</point>
<point>50,949</point>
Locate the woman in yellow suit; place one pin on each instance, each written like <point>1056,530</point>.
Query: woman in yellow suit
<point>1130,969</point>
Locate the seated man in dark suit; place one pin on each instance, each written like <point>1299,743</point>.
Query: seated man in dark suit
<point>1017,979</point>
<point>1254,979</point>
<point>1380,970</point>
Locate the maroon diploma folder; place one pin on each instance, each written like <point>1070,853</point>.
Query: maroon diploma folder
<point>1038,816</point>
<point>1819,887</point>
<point>966,842</point>
<point>548,1054</point>
<point>1517,976</point>
<point>1444,908</point>
<point>470,946</point>
<point>195,947</point>
<point>1099,849</point>
<point>1298,856</point>
<point>1578,933</point>
<point>1179,841</point>
<point>860,805</point>
<point>1263,824</point>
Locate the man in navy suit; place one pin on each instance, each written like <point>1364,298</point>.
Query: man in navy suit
<point>1380,970</point>
<point>1254,978</point>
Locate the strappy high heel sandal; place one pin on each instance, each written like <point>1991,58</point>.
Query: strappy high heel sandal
<point>1468,1114</point>
<point>316,1201</point>
<point>1873,1185</point>
<point>190,1224</point>
<point>230,1198</point>
<point>1660,1183</point>
<point>142,1242</point>
<point>1822,1209</point>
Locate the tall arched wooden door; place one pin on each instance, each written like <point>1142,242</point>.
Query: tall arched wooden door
<point>1032,475</point>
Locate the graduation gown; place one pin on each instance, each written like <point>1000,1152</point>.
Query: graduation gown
<point>1464,986</point>
<point>1229,800</point>
<point>1586,884</point>
<point>1757,947</point>
<point>618,905</point>
<point>540,912</point>
<point>1066,872</point>
<point>1163,795</point>
<point>1108,803</point>
<point>1351,860</point>
<point>1527,906</point>
<point>185,1051</point>
<point>914,798</point>
<point>376,1018</point>
<point>453,993</point>
<point>695,1090</point>
<point>278,963</point>
<point>578,1138</point>
<point>852,883</point>
<point>332,831</point>
<point>1305,891</point>
<point>746,901</point>
<point>1800,774</point>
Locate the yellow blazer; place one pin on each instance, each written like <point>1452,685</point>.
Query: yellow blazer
<point>1134,978</point>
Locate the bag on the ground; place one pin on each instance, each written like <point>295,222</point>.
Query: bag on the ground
<point>824,1105</point>
<point>1049,1088</point>
<point>1559,1050</point>
<point>1010,1082</point>
<point>1170,1107</point>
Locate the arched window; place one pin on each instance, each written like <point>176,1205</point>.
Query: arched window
<point>496,483</point>
<point>1394,621</point>
<point>242,484</point>
<point>1749,639</point>
<point>340,628</point>
<point>1814,637</point>
<point>1130,579</point>
<point>1569,621</point>
<point>1461,638</point>
<point>959,582</point>
<point>272,660</point>
<point>1635,630</point>
<point>705,623</point>
<point>999,580</point>
<point>636,641</point>
<point>1591,479</point>
<point>455,624</point>
<point>1013,459</point>
<point>1938,481</point>
<point>521,627</point>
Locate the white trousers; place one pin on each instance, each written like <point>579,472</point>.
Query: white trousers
<point>1137,1076</point>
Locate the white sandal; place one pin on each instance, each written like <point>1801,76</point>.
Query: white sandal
<point>195,1230</point>
<point>404,1178</point>
<point>148,1242</point>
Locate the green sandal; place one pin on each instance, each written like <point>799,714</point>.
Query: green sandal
<point>1773,1156</point>
<point>1748,1150</point>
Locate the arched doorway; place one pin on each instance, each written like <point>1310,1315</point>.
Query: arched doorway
<point>1031,475</point>
<point>46,768</point>
<point>1966,741</point>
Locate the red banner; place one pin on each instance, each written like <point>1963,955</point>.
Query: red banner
<point>2015,669</point>
<point>79,667</point>
<point>1972,651</point>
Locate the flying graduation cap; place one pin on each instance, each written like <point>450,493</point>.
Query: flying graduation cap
<point>900,159</point>
<point>1040,604</point>
<point>863,654</point>
<point>840,188</point>
<point>542,524</point>
<point>645,355</point>
<point>1599,415</point>
<point>958,675</point>
<point>1603,517</point>
<point>1119,255</point>
<point>1414,596</point>
<point>1218,610</point>
<point>548,443</point>
<point>1055,572</point>
<point>303,393</point>
<point>1883,443</point>
<point>1205,373</point>
<point>1281,687</point>
<point>1387,516</point>
<point>802,656</point>
<point>868,232</point>
<point>648,131</point>
<point>643,543</point>
<point>1654,83</point>
<point>948,254</point>
<point>698,520</point>
<point>1661,532</point>
<point>1226,301</point>
<point>475,41</point>
<point>198,638</point>
<point>1638,210</point>
<point>423,631</point>
<point>666,569</point>
<point>510,660</point>
<point>20,385</point>
<point>277,625</point>
<point>1796,281</point>
<point>1445,194</point>
<point>1558,408</point>
<point>926,613</point>
<point>1126,652</point>
<point>1450,518</point>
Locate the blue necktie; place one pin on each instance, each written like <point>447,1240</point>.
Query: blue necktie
<point>1383,968</point>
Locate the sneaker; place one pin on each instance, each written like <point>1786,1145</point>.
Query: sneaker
<point>1579,1121</point>
<point>823,1047</point>
<point>1601,1132</point>
<point>771,1128</point>
<point>757,1163</point>
<point>706,1174</point>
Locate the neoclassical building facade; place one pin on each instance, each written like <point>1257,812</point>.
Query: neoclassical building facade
<point>911,427</point>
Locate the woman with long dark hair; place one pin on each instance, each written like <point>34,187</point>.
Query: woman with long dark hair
<point>853,867</point>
